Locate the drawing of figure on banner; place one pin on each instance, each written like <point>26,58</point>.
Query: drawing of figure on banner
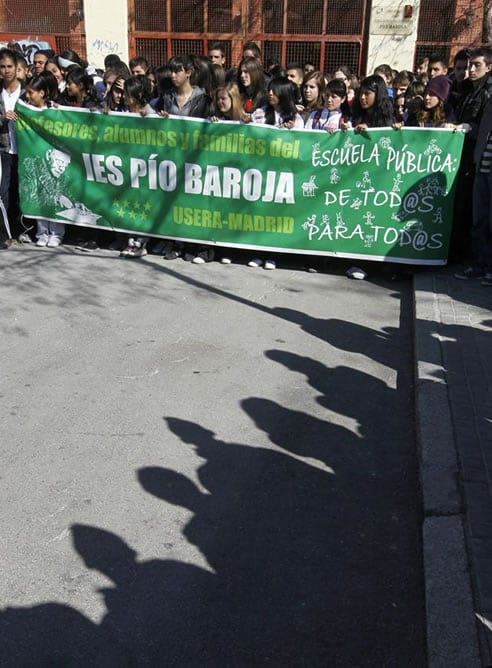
<point>48,183</point>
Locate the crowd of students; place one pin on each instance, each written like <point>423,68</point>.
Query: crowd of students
<point>294,96</point>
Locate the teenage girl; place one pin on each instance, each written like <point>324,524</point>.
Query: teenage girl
<point>38,93</point>
<point>281,112</point>
<point>433,113</point>
<point>313,91</point>
<point>80,88</point>
<point>335,112</point>
<point>114,99</point>
<point>52,66</point>
<point>136,93</point>
<point>251,84</point>
<point>350,80</point>
<point>227,104</point>
<point>372,107</point>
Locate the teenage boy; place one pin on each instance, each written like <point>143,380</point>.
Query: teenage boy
<point>481,232</point>
<point>476,90</point>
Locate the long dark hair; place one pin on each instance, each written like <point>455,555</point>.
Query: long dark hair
<point>256,90</point>
<point>338,87</point>
<point>137,88</point>
<point>79,76</point>
<point>285,91</point>
<point>381,114</point>
<point>45,82</point>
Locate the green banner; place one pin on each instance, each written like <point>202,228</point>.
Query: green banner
<point>381,195</point>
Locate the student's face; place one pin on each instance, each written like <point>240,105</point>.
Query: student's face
<point>340,75</point>
<point>180,77</point>
<point>295,76</point>
<point>22,72</point>
<point>430,101</point>
<point>437,70</point>
<point>55,71</point>
<point>273,98</point>
<point>461,70</point>
<point>249,54</point>
<point>224,102</point>
<point>333,101</point>
<point>311,91</point>
<point>139,69</point>
<point>478,68</point>
<point>39,62</point>
<point>117,91</point>
<point>216,57</point>
<point>414,104</point>
<point>109,80</point>
<point>400,104</point>
<point>400,90</point>
<point>35,97</point>
<point>8,70</point>
<point>245,77</point>
<point>73,89</point>
<point>151,79</point>
<point>367,98</point>
<point>130,102</point>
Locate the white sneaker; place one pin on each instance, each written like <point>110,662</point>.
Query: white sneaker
<point>198,260</point>
<point>357,273</point>
<point>255,262</point>
<point>270,264</point>
<point>226,260</point>
<point>42,240</point>
<point>129,249</point>
<point>138,250</point>
<point>53,241</point>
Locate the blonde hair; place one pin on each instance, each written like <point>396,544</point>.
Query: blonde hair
<point>232,90</point>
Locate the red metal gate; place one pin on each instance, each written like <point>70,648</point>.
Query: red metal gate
<point>63,20</point>
<point>327,33</point>
<point>446,26</point>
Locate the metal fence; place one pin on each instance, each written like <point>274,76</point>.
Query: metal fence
<point>62,19</point>
<point>327,33</point>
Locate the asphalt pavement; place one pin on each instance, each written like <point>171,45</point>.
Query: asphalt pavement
<point>207,465</point>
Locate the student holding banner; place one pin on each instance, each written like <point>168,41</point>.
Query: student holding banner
<point>39,94</point>
<point>10,91</point>
<point>481,233</point>
<point>372,107</point>
<point>281,112</point>
<point>433,114</point>
<point>335,112</point>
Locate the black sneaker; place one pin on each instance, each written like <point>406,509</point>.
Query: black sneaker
<point>88,246</point>
<point>487,280</point>
<point>470,273</point>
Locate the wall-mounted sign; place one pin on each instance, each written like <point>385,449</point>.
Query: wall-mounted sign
<point>387,19</point>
